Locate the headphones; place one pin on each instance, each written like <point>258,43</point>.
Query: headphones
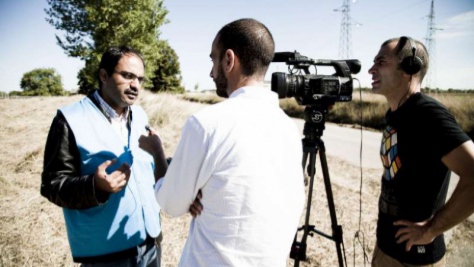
<point>410,64</point>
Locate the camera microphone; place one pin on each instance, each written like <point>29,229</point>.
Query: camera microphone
<point>282,56</point>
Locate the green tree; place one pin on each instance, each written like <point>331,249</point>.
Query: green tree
<point>41,82</point>
<point>92,26</point>
<point>167,76</point>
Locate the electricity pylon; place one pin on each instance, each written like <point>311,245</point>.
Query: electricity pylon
<point>431,79</point>
<point>345,51</point>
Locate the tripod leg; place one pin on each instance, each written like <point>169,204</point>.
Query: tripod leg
<point>311,173</point>
<point>337,229</point>
<point>298,249</point>
<point>305,159</point>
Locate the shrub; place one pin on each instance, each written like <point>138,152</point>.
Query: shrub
<point>41,82</point>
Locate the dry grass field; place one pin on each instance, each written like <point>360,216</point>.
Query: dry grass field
<point>373,108</point>
<point>32,231</point>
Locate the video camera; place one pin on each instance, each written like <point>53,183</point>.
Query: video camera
<point>311,89</point>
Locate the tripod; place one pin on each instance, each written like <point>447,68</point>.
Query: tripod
<point>313,130</point>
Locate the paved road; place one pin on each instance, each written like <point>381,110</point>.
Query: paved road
<point>345,142</point>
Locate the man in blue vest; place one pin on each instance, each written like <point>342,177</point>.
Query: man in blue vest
<point>95,170</point>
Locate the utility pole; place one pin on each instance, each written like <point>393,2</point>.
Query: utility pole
<point>431,76</point>
<point>345,35</point>
<point>345,42</point>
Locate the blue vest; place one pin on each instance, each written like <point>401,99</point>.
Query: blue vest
<point>125,219</point>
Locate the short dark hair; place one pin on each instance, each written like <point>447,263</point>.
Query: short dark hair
<point>251,42</point>
<point>405,51</point>
<point>111,57</point>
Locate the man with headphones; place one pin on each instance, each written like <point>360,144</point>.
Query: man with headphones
<point>421,145</point>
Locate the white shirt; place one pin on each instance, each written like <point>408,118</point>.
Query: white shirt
<point>245,155</point>
<point>119,122</point>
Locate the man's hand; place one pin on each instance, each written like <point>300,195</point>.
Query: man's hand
<point>151,143</point>
<point>413,233</point>
<point>196,207</point>
<point>113,182</point>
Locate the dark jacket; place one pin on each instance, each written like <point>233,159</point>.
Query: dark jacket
<point>61,180</point>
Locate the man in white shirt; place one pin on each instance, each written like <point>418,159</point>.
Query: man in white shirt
<point>244,154</point>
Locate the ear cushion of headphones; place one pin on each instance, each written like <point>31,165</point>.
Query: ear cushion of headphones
<point>411,66</point>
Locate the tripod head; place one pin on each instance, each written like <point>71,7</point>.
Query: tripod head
<point>315,117</point>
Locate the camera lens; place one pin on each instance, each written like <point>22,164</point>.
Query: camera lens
<point>279,84</point>
<point>286,85</point>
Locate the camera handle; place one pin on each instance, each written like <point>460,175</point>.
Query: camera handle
<point>313,130</point>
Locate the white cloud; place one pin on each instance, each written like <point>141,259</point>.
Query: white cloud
<point>461,25</point>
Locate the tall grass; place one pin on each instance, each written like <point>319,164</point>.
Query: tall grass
<point>462,108</point>
<point>206,98</point>
<point>167,114</point>
<point>368,109</point>
<point>32,231</point>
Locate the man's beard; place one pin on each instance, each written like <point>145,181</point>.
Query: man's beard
<point>221,83</point>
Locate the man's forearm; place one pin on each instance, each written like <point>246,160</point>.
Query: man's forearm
<point>161,165</point>
<point>458,208</point>
<point>152,144</point>
<point>461,204</point>
<point>61,182</point>
<point>74,192</point>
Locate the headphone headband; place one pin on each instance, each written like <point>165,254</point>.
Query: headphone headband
<point>410,64</point>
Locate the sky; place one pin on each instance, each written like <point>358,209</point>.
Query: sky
<point>313,28</point>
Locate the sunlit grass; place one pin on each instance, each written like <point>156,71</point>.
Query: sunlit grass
<point>373,108</point>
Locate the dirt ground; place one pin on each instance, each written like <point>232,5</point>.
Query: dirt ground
<point>32,231</point>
